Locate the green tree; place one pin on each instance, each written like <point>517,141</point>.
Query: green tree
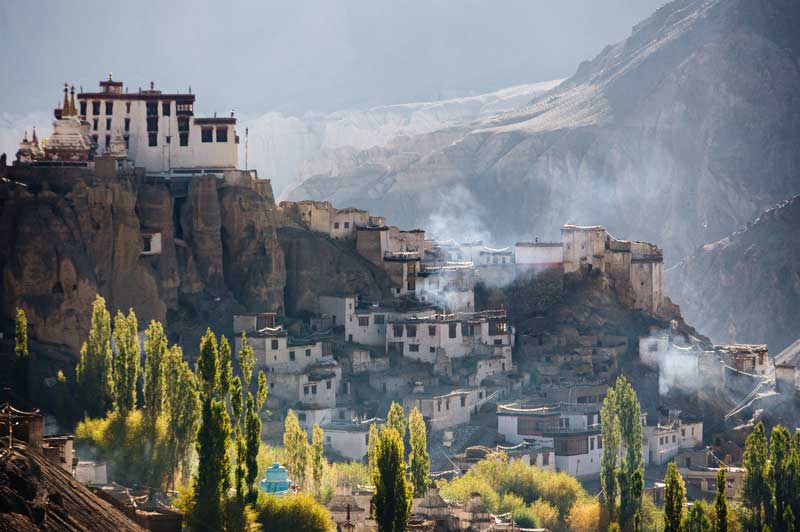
<point>396,419</point>
<point>392,498</point>
<point>21,358</point>
<point>756,489</point>
<point>181,409</point>
<point>125,362</point>
<point>238,436</point>
<point>263,390</point>
<point>225,366</point>
<point>721,502</point>
<point>155,350</point>
<point>419,461</point>
<point>93,372</point>
<point>317,450</point>
<point>674,497</point>
<point>252,444</point>
<point>214,463</point>
<point>247,360</point>
<point>372,447</point>
<point>295,442</point>
<point>610,432</point>
<point>631,475</point>
<point>784,477</point>
<point>697,520</point>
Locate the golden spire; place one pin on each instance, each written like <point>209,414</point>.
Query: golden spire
<point>73,111</point>
<point>65,106</point>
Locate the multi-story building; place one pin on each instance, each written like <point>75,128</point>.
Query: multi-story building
<point>445,407</point>
<point>160,130</point>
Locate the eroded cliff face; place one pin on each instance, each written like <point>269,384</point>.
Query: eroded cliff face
<point>317,265</point>
<point>746,287</point>
<point>63,243</point>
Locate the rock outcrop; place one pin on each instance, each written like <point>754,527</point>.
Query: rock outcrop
<point>677,135</point>
<point>68,234</point>
<point>746,287</point>
<point>315,265</point>
<point>36,495</point>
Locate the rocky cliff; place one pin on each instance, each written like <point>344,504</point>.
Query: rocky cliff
<point>746,287</point>
<point>68,234</point>
<point>677,135</point>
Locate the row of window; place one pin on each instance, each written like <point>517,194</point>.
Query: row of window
<point>207,134</point>
<point>292,357</point>
<point>151,107</point>
<point>411,330</point>
<point>346,225</point>
<point>96,123</point>
<point>312,388</point>
<point>663,440</point>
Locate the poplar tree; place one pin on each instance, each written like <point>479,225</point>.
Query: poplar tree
<point>317,455</point>
<point>247,360</point>
<point>419,461</point>
<point>372,447</point>
<point>784,478</point>
<point>674,497</point>
<point>392,498</point>
<point>263,391</point>
<point>21,355</point>
<point>214,465</point>
<point>125,362</point>
<point>181,409</point>
<point>93,372</point>
<point>252,444</point>
<point>697,520</point>
<point>610,432</point>
<point>756,490</point>
<point>238,436</point>
<point>631,474</point>
<point>295,443</point>
<point>721,502</point>
<point>225,367</point>
<point>155,350</point>
<point>396,419</point>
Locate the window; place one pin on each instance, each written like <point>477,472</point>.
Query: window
<point>336,225</point>
<point>308,352</point>
<point>168,139</point>
<point>414,348</point>
<point>591,444</point>
<point>431,330</point>
<point>439,405</point>
<point>222,134</point>
<point>274,345</point>
<point>463,401</point>
<point>673,438</point>
<point>94,140</point>
<point>366,439</point>
<point>152,108</point>
<point>498,342</point>
<point>452,328</point>
<point>291,355</point>
<point>683,433</point>
<point>127,124</point>
<point>108,124</point>
<point>206,134</point>
<point>166,108</point>
<point>546,459</point>
<point>127,141</point>
<point>128,107</point>
<point>347,225</point>
<point>305,390</point>
<point>152,139</point>
<point>599,442</point>
<point>184,108</point>
<point>411,331</point>
<point>108,141</point>
<point>432,349</point>
<point>183,124</point>
<point>328,385</point>
<point>397,330</point>
<point>379,319</point>
<point>363,321</point>
<point>313,389</point>
<point>147,243</point>
<point>152,123</point>
<point>94,124</point>
<point>184,138</point>
<point>110,107</point>
<point>83,108</point>
<point>95,108</point>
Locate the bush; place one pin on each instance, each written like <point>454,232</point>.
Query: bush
<point>295,513</point>
<point>584,516</point>
<point>545,515</point>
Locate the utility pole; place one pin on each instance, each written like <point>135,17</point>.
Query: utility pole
<point>246,138</point>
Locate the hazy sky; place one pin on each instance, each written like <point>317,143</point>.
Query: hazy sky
<point>299,55</point>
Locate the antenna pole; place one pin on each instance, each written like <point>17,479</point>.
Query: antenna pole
<point>246,138</point>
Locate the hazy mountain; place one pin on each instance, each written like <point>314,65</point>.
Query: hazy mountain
<point>679,134</point>
<point>284,148</point>
<point>746,287</point>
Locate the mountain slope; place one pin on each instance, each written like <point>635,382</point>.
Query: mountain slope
<point>746,287</point>
<point>679,135</point>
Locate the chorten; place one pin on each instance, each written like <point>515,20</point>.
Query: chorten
<point>69,141</point>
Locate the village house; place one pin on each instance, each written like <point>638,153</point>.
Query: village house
<point>349,439</point>
<point>28,427</point>
<point>746,358</point>
<point>366,324</point>
<point>535,257</point>
<point>704,480</point>
<point>450,286</point>
<point>445,407</point>
<point>670,435</point>
<point>340,306</point>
